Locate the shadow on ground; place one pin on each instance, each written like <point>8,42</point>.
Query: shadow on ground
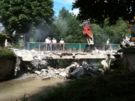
<point>113,86</point>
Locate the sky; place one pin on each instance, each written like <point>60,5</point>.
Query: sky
<point>59,4</point>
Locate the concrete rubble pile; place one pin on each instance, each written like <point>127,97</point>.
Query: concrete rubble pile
<point>37,63</point>
<point>126,43</point>
<point>73,71</point>
<point>76,71</point>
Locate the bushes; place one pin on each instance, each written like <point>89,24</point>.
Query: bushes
<point>6,53</point>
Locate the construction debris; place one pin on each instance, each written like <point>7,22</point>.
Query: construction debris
<point>37,63</point>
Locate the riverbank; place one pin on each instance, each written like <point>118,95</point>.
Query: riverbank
<point>15,89</point>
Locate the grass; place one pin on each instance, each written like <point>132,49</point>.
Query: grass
<point>113,86</point>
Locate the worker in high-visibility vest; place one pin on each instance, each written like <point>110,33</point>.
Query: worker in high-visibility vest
<point>87,32</point>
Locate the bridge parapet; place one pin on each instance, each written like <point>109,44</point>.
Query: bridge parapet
<point>77,47</point>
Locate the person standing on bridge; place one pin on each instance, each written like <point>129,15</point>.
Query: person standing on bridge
<point>62,44</point>
<point>54,44</point>
<point>48,45</point>
<point>87,32</point>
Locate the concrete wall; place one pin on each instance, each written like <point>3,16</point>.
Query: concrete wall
<point>128,58</point>
<point>7,67</point>
<point>129,61</point>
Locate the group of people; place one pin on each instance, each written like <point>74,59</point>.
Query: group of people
<point>52,44</point>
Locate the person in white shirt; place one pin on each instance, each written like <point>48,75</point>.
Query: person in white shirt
<point>62,44</point>
<point>107,46</point>
<point>54,44</point>
<point>6,43</point>
<point>48,44</point>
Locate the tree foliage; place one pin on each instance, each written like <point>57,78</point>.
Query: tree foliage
<point>19,15</point>
<point>113,32</point>
<point>68,27</point>
<point>118,31</point>
<point>100,9</point>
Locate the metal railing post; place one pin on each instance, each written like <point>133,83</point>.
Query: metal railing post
<point>39,47</point>
<point>80,47</point>
<point>28,45</point>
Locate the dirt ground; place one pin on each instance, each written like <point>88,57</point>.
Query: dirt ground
<point>15,89</point>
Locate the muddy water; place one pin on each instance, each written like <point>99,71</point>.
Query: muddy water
<point>15,89</point>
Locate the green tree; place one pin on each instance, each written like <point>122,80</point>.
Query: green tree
<point>74,34</point>
<point>100,36</point>
<point>68,27</point>
<point>20,15</point>
<point>101,9</point>
<point>116,32</point>
<point>113,32</point>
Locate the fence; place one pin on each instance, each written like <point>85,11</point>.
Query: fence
<point>41,46</point>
